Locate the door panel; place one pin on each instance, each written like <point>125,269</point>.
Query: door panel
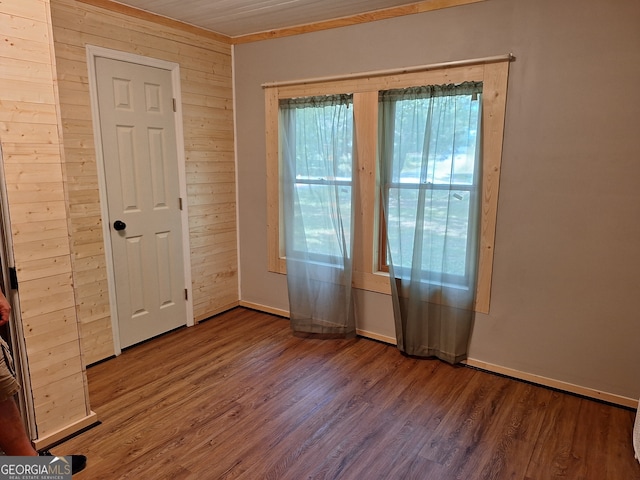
<point>141,173</point>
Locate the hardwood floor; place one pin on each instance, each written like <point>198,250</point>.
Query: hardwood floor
<point>239,397</point>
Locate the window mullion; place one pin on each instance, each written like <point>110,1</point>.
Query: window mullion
<point>365,112</point>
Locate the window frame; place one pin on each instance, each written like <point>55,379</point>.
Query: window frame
<point>367,275</point>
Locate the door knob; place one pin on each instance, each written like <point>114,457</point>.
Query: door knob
<point>119,225</point>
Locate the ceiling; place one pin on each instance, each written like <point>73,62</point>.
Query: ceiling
<point>235,18</point>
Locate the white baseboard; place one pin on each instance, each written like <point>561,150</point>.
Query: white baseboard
<point>489,367</point>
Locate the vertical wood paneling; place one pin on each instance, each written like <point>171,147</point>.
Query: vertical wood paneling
<point>205,67</point>
<point>30,136</point>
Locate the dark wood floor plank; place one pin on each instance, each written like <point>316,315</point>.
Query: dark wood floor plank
<point>239,397</point>
<point>552,456</point>
<point>343,411</point>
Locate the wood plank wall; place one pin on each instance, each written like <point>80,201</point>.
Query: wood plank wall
<point>30,137</point>
<point>206,80</point>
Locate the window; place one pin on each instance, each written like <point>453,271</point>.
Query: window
<point>316,154</point>
<point>429,155</point>
<point>458,164</point>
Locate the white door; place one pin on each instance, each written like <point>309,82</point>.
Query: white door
<point>139,150</point>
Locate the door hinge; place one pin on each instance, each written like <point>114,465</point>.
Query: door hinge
<point>175,106</point>
<point>13,278</point>
<point>186,294</point>
<point>180,203</point>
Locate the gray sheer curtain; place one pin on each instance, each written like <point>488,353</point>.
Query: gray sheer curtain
<point>316,145</point>
<point>430,168</point>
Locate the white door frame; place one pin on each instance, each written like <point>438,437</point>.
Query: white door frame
<point>174,68</point>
